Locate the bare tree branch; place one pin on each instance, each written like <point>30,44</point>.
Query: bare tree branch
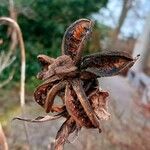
<point>127,5</point>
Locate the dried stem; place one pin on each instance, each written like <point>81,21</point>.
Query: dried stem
<point>11,30</point>
<point>5,60</point>
<point>14,24</point>
<point>11,22</point>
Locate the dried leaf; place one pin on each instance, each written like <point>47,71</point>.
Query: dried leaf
<point>39,119</point>
<point>107,63</point>
<point>98,100</point>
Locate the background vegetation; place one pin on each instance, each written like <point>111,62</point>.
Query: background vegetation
<point>43,24</point>
<point>120,25</point>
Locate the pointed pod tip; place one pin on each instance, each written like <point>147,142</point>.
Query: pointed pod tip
<point>39,56</point>
<point>92,22</point>
<point>137,57</point>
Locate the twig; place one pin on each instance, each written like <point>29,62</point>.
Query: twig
<point>7,80</point>
<point>5,60</point>
<point>11,22</point>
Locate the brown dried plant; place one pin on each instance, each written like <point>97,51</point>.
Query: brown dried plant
<point>74,79</point>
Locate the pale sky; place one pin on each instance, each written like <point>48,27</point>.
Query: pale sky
<point>133,25</point>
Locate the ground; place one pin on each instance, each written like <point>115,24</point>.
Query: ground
<point>120,132</point>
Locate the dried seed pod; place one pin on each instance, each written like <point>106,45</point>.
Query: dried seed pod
<point>41,91</point>
<point>107,63</point>
<point>45,60</point>
<point>81,95</point>
<point>63,65</point>
<point>49,101</point>
<point>96,98</point>
<point>74,38</point>
<point>75,81</point>
<point>75,109</point>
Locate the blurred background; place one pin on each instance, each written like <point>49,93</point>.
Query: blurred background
<point>122,25</point>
